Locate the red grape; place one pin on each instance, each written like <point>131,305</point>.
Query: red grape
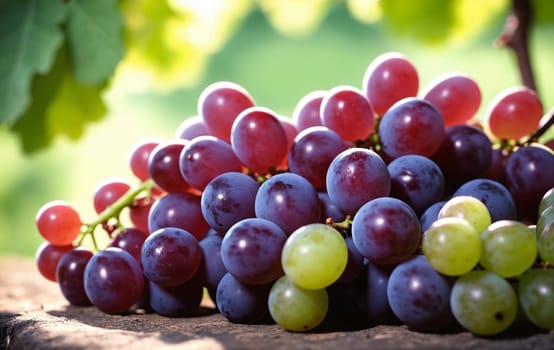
<point>58,223</point>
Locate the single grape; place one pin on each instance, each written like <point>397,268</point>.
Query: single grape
<point>170,256</point>
<point>288,200</point>
<point>389,78</point>
<point>536,296</point>
<point>419,296</point>
<point>113,281</point>
<point>514,113</point>
<point>220,104</point>
<point>109,192</point>
<point>509,248</point>
<point>138,158</point>
<point>58,223</point>
<point>176,301</point>
<point>131,240</point>
<point>374,300</point>
<point>545,218</point>
<point>547,200</point>
<point>251,251</point>
<point>354,264</point>
<point>528,176</point>
<point>242,303</point>
<point>204,158</point>
<point>139,211</point>
<point>306,113</point>
<point>468,208</point>
<point>402,127</point>
<point>483,302</point>
<point>494,195</point>
<point>181,210</point>
<point>452,246</point>
<point>70,273</point>
<point>227,199</point>
<point>163,166</point>
<point>465,154</point>
<point>259,140</point>
<point>297,309</point>
<point>416,180</point>
<point>456,95</point>
<point>356,176</point>
<point>546,243</point>
<point>305,256</point>
<point>192,127</point>
<point>497,169</point>
<point>347,111</point>
<point>329,210</point>
<point>312,152</point>
<point>47,257</point>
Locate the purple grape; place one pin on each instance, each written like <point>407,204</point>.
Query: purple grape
<point>206,157</point>
<point>312,152</point>
<point>356,176</point>
<point>420,296</point>
<point>131,240</point>
<point>181,210</point>
<point>329,210</point>
<point>251,251</point>
<point>227,199</point>
<point>529,174</point>
<point>411,126</point>
<point>163,166</point>
<point>170,256</point>
<point>191,127</point>
<point>430,215</point>
<point>241,303</point>
<point>212,266</point>
<point>113,280</point>
<point>177,301</point>
<point>386,230</point>
<point>306,112</point>
<point>494,195</point>
<point>416,180</point>
<point>465,154</point>
<point>288,200</point>
<point>70,276</point>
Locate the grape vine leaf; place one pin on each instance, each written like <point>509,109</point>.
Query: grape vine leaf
<point>30,35</point>
<point>60,106</point>
<point>95,33</point>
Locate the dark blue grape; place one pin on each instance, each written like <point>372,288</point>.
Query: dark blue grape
<point>288,200</point>
<point>212,265</point>
<point>70,276</point>
<point>177,301</point>
<point>241,303</point>
<point>416,180</point>
<point>494,195</point>
<point>430,215</point>
<point>227,199</point>
<point>329,210</point>
<point>420,296</point>
<point>374,299</point>
<point>113,280</point>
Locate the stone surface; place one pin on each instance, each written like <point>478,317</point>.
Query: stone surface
<point>34,315</point>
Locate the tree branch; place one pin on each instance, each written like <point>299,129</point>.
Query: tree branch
<point>515,35</point>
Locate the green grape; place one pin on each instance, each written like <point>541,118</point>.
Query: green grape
<point>468,208</point>
<point>545,217</point>
<point>295,308</point>
<point>508,248</point>
<point>306,256</point>
<point>546,243</point>
<point>536,296</point>
<point>452,246</point>
<point>547,200</point>
<point>483,302</point>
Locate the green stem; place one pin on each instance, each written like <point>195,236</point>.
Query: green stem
<point>114,211</point>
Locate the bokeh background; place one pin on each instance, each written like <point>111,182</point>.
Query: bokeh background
<point>279,51</point>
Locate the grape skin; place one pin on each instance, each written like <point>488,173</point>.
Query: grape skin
<point>536,296</point>
<point>70,273</point>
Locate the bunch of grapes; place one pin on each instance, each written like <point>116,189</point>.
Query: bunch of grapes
<point>374,204</point>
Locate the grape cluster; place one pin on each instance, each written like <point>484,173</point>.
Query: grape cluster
<point>368,205</point>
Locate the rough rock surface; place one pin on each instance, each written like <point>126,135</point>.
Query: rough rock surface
<point>34,315</point>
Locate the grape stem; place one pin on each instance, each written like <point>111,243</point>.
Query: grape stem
<point>113,211</point>
<point>534,137</point>
<point>515,36</point>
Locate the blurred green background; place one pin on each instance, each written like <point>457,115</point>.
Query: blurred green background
<point>278,61</point>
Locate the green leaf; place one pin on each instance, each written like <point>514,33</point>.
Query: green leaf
<point>60,106</point>
<point>30,35</point>
<point>543,11</point>
<point>95,32</point>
